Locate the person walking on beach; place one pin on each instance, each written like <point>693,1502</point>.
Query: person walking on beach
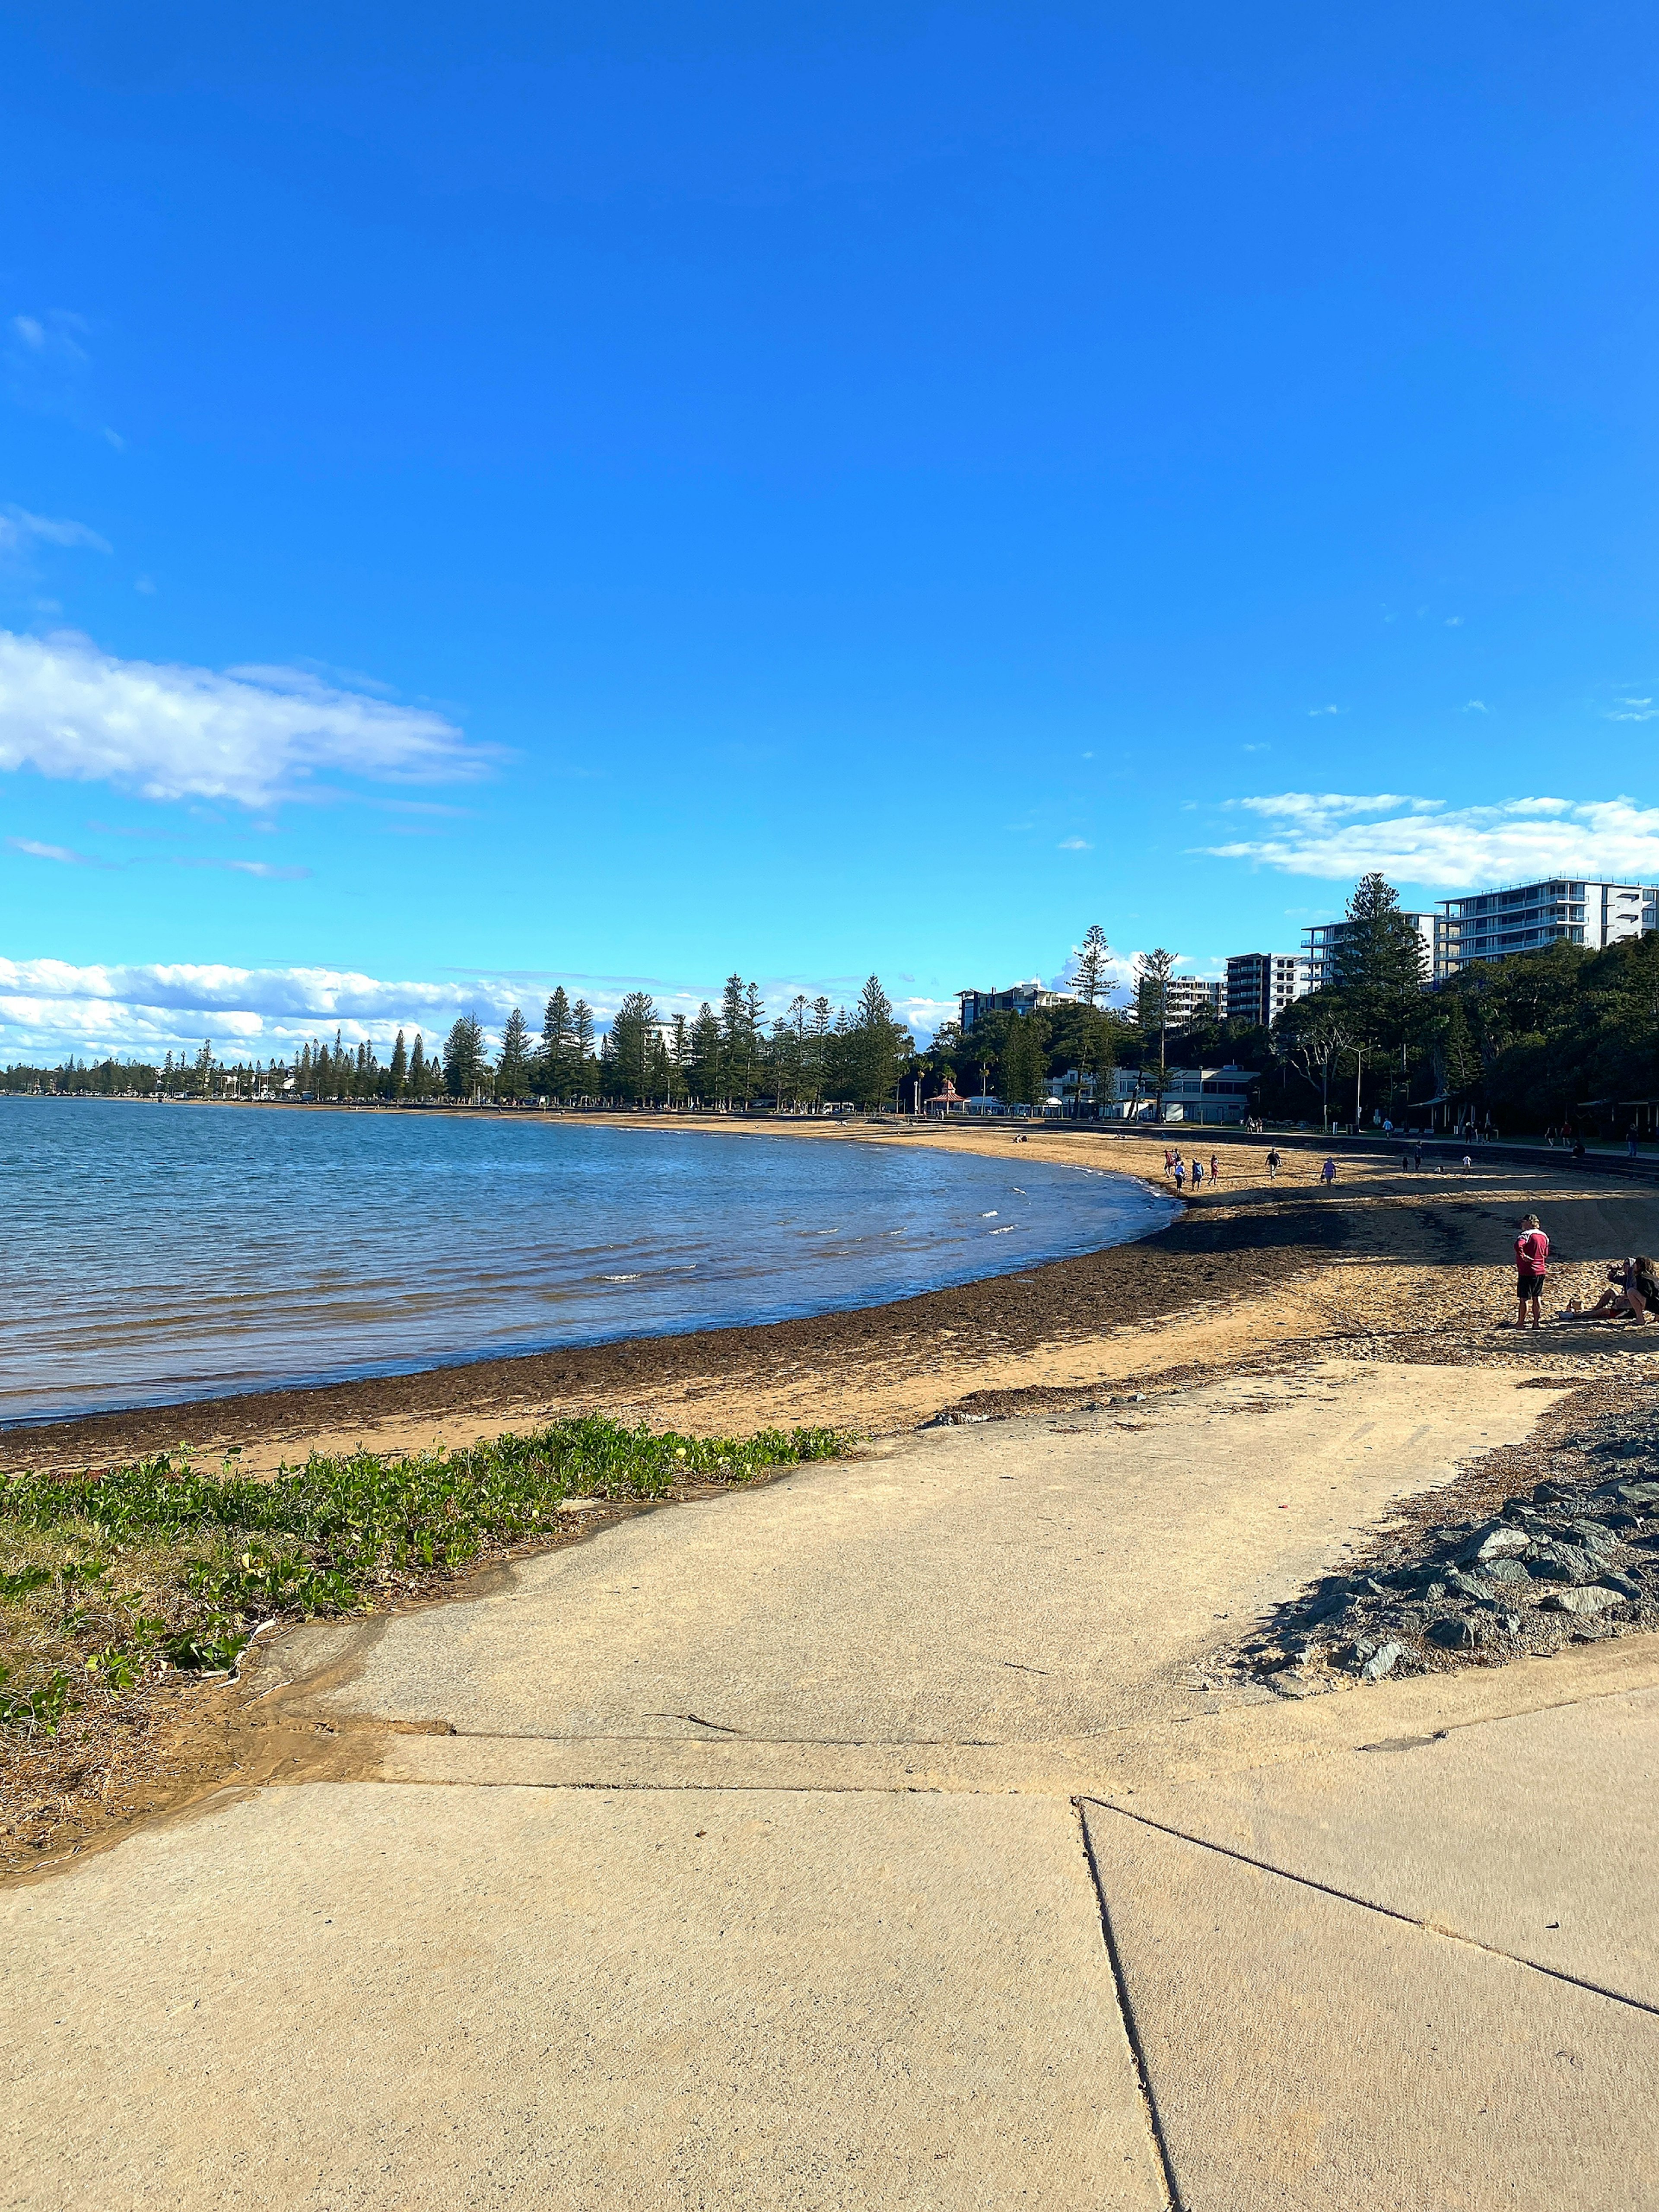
<point>1532,1256</point>
<point>1198,1173</point>
<point>1272,1164</point>
<point>1215,1168</point>
<point>1178,1170</point>
<point>1327,1173</point>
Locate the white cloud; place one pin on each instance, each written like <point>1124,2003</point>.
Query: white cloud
<point>170,732</point>
<point>1475,706</point>
<point>1632,710</point>
<point>1074,845</point>
<point>1454,622</point>
<point>1314,712</point>
<point>19,530</point>
<point>63,852</point>
<point>1423,840</point>
<point>262,868</point>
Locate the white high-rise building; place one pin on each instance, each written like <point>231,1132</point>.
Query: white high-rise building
<point>1560,910</point>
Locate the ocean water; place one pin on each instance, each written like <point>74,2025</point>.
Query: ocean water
<point>153,1253</point>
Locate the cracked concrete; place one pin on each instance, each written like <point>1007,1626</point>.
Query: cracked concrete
<point>879,1839</point>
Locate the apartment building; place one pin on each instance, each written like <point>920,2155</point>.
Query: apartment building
<point>1018,999</point>
<point>1260,985</point>
<point>1526,917</point>
<point>1189,996</point>
<point>1436,937</point>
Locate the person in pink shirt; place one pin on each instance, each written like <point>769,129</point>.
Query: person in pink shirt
<point>1532,1257</point>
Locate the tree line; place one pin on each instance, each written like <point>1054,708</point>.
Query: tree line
<point>1538,1038</point>
<point>729,1058</point>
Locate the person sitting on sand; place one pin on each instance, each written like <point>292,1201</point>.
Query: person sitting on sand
<point>1633,1294</point>
<point>1532,1256</point>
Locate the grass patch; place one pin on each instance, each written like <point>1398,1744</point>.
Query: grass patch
<point>114,1579</point>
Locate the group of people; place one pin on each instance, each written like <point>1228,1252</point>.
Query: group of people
<point>1632,1292</point>
<point>1178,1170</point>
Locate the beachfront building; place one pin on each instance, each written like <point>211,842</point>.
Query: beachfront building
<point>1019,999</point>
<point>1260,985</point>
<point>1217,1097</point>
<point>1189,997</point>
<point>1437,938</point>
<point>1560,910</point>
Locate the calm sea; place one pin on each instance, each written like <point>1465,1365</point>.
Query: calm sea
<point>160,1253</point>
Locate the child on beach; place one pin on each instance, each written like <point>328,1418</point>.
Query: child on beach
<point>1215,1168</point>
<point>1198,1171</point>
<point>1326,1174</point>
<point>1178,1170</point>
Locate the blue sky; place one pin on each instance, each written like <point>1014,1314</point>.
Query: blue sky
<point>619,494</point>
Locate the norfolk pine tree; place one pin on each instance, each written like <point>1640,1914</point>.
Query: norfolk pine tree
<point>1153,970</point>
<point>1089,974</point>
<point>464,1057</point>
<point>512,1066</point>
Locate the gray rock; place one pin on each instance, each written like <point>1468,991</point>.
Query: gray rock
<point>1453,1633</point>
<point>1492,1542</point>
<point>1561,1562</point>
<point>1582,1602</point>
<point>1637,1493</point>
<point>1434,1591</point>
<point>1507,1571</point>
<point>1626,1585</point>
<point>1380,1662</point>
<point>1593,1536</point>
<point>1460,1585</point>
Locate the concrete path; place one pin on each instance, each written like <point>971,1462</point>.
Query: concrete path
<point>877,1839</point>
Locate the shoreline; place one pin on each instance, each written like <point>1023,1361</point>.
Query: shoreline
<point>1021,1310</point>
<point>1385,1265</point>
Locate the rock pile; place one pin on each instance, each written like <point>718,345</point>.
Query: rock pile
<point>1567,1561</point>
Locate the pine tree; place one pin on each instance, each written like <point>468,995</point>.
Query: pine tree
<point>512,1066</point>
<point>464,1057</point>
<point>632,1030</point>
<point>417,1068</point>
<point>398,1072</point>
<point>582,1045</point>
<point>877,1046</point>
<point>1153,970</point>
<point>736,1056</point>
<point>703,1067</point>
<point>1089,973</point>
<point>1377,964</point>
<point>554,1066</point>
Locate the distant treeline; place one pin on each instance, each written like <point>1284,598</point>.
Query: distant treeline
<point>729,1057</point>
